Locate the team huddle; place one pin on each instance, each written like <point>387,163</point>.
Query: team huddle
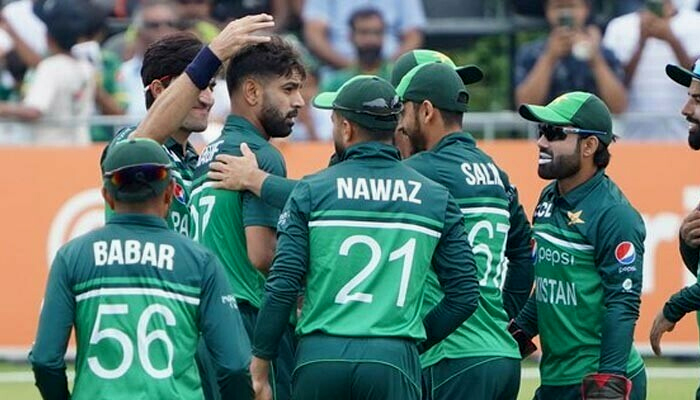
<point>407,269</point>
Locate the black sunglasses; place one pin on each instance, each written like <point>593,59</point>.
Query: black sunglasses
<point>137,174</point>
<point>555,133</point>
<point>378,112</point>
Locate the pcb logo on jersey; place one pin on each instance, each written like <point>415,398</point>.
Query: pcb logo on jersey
<point>625,253</point>
<point>179,193</point>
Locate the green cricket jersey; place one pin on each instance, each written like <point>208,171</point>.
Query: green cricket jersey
<point>182,171</point>
<point>139,295</point>
<point>499,234</point>
<point>220,216</point>
<point>588,247</point>
<point>363,235</point>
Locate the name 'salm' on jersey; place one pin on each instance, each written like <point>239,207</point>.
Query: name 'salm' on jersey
<point>133,252</point>
<point>482,174</point>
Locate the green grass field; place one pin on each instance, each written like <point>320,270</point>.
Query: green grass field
<point>659,388</point>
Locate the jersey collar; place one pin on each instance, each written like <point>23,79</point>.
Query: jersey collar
<point>454,137</point>
<point>371,150</point>
<point>240,125</point>
<point>189,158</point>
<point>580,192</point>
<point>137,219</point>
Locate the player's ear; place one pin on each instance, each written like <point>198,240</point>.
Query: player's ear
<point>252,92</point>
<point>108,198</point>
<point>426,111</point>
<point>168,196</point>
<point>347,131</point>
<point>157,88</point>
<point>588,146</point>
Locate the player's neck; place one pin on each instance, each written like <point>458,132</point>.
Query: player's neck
<point>435,135</point>
<point>249,114</point>
<point>566,185</point>
<point>181,137</point>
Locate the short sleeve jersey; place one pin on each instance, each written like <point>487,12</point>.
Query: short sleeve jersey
<point>183,165</point>
<point>481,191</point>
<point>586,243</point>
<point>219,217</point>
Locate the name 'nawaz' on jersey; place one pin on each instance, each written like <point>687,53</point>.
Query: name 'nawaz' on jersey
<point>378,189</point>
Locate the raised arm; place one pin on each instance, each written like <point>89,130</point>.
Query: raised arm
<point>170,108</point>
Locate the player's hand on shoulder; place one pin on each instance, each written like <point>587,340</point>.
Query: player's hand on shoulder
<point>234,173</point>
<point>690,229</point>
<point>240,33</point>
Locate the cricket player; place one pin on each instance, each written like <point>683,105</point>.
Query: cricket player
<point>171,125</point>
<point>588,248</point>
<point>363,235</point>
<point>139,296</point>
<point>264,83</point>
<point>480,360</point>
<point>687,299</point>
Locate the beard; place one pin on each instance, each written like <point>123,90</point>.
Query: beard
<point>369,55</point>
<point>694,134</point>
<point>561,167</point>
<point>339,148</point>
<point>415,136</point>
<point>275,123</point>
<point>694,140</point>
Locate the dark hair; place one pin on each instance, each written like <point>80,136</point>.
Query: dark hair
<point>273,59</point>
<point>452,117</point>
<point>372,135</point>
<point>364,13</point>
<point>168,56</point>
<point>601,157</point>
<point>448,117</point>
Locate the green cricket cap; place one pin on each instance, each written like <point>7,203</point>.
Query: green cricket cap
<point>409,60</point>
<point>367,100</point>
<point>437,83</point>
<point>683,76</point>
<point>579,109</point>
<point>134,170</point>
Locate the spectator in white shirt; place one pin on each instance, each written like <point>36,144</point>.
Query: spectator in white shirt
<point>62,88</point>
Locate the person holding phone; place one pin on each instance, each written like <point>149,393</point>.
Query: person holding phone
<point>661,31</point>
<point>570,58</point>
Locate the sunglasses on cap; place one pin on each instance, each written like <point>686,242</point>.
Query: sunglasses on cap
<point>141,174</point>
<point>555,133</point>
<point>384,110</point>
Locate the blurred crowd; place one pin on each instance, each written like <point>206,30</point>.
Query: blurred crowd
<point>63,62</point>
